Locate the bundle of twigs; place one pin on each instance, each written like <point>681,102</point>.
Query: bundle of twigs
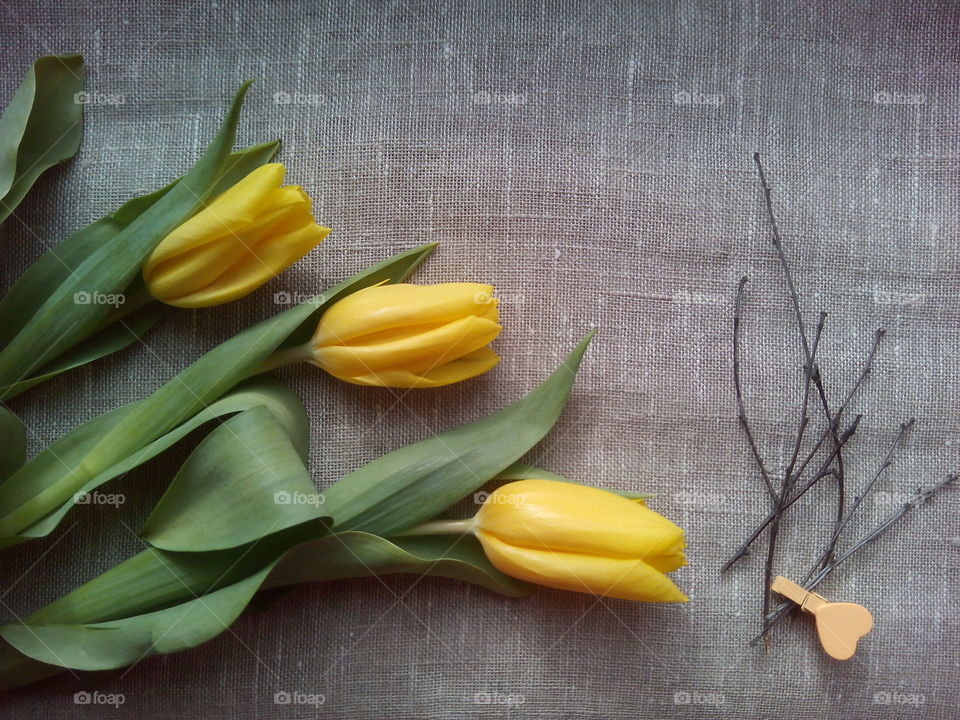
<point>803,471</point>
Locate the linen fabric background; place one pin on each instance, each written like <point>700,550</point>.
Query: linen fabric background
<point>594,162</point>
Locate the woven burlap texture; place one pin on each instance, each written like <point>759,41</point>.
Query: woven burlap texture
<point>594,162</point>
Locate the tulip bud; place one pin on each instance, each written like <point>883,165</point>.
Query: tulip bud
<point>582,539</point>
<point>408,336</point>
<point>240,240</point>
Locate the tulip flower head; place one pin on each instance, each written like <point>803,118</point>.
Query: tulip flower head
<point>240,240</point>
<point>581,539</point>
<point>408,336</point>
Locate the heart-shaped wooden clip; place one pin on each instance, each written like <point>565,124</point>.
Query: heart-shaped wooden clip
<point>839,625</point>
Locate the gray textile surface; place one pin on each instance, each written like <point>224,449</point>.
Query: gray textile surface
<point>593,161</point>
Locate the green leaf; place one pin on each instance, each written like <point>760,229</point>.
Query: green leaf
<point>155,578</point>
<point>107,341</point>
<point>61,322</point>
<point>37,497</point>
<point>57,637</point>
<point>415,483</point>
<point>264,391</point>
<point>41,126</point>
<point>243,482</point>
<point>114,644</point>
<point>13,449</point>
<point>53,268</point>
<point>355,554</point>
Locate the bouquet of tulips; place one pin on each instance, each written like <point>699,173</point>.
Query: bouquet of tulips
<point>243,513</point>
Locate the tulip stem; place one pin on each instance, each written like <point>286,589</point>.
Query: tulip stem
<point>441,527</point>
<point>288,356</point>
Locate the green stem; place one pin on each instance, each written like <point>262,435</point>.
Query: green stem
<point>289,356</point>
<point>441,527</point>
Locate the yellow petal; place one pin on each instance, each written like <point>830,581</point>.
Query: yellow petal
<point>366,315</point>
<point>285,197</point>
<point>418,353</point>
<point>226,214</point>
<point>578,518</point>
<point>670,561</point>
<point>256,266</point>
<point>246,236</point>
<point>626,578</point>
<point>476,363</point>
<point>194,269</point>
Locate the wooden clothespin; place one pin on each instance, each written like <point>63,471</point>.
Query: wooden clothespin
<point>839,625</point>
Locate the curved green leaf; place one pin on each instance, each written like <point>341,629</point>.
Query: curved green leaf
<point>154,579</point>
<point>61,322</point>
<point>47,639</point>
<point>416,483</point>
<point>41,126</point>
<point>114,644</point>
<point>35,498</point>
<point>13,449</point>
<point>264,391</point>
<point>243,482</point>
<point>107,341</point>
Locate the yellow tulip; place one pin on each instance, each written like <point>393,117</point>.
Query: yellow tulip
<point>240,240</point>
<point>579,538</point>
<point>408,335</point>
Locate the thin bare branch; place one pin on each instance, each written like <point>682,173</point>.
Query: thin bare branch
<point>809,370</point>
<point>778,244</point>
<point>823,472</point>
<point>741,408</point>
<point>827,555</point>
<point>828,431</point>
<point>809,351</point>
